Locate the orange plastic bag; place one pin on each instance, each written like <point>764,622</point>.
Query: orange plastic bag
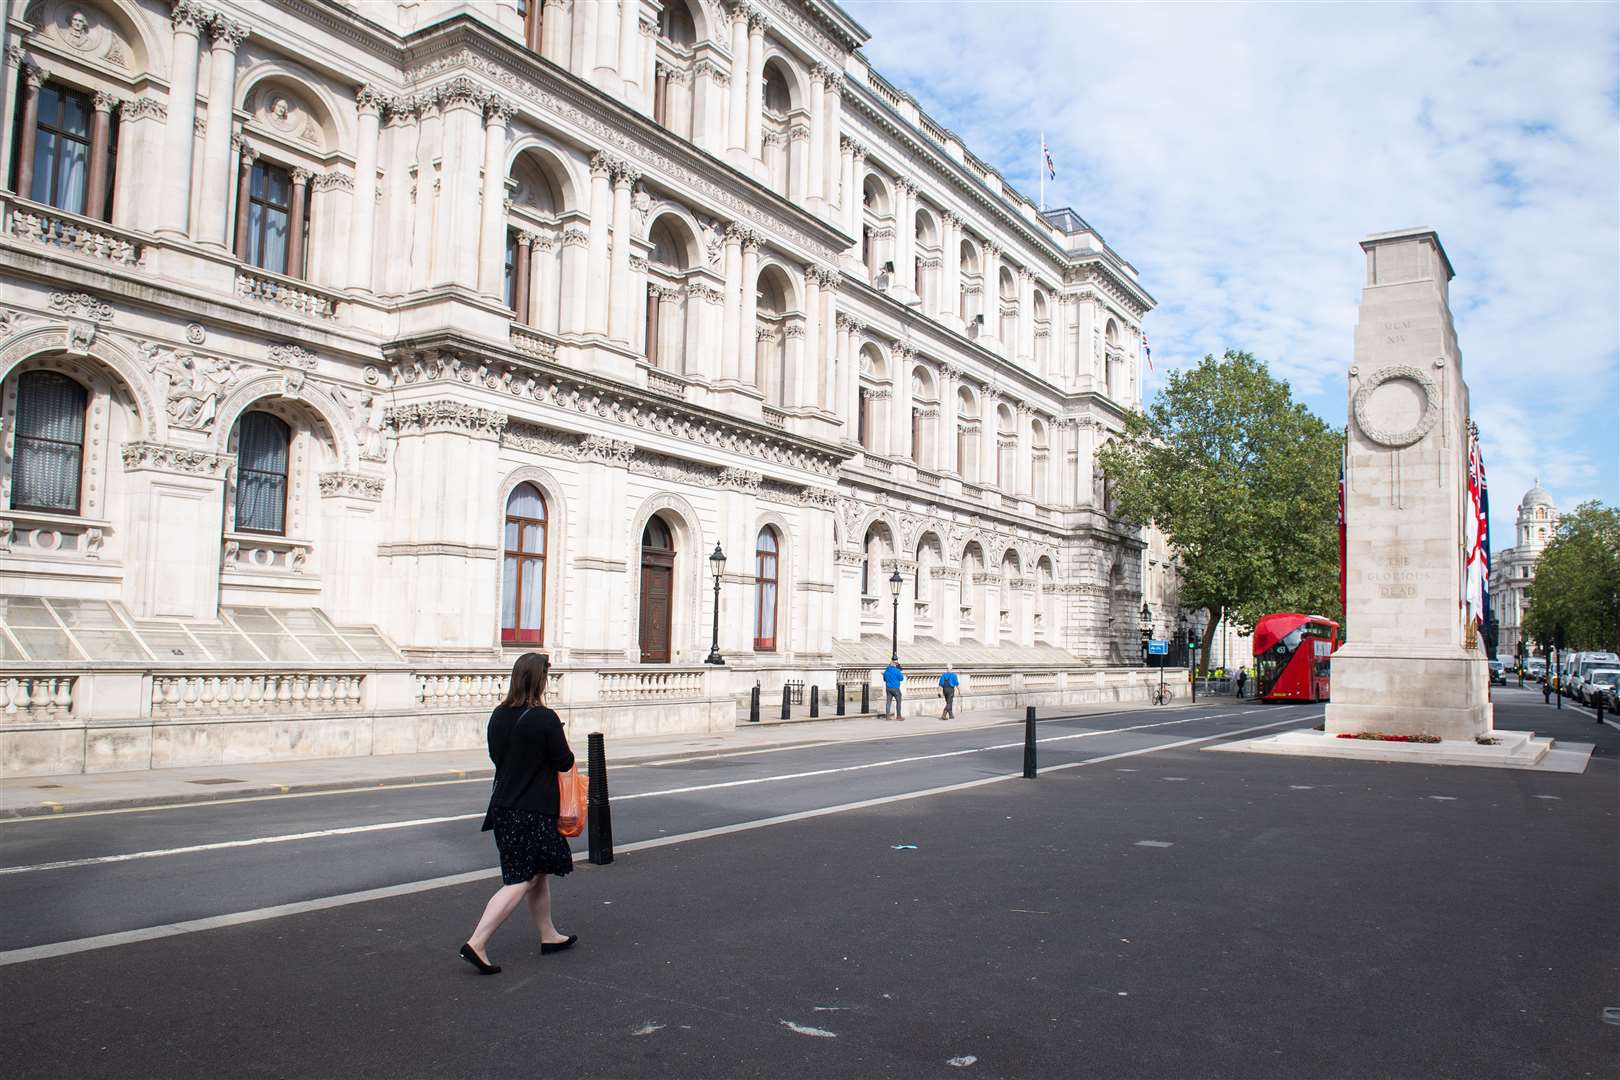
<point>571,796</point>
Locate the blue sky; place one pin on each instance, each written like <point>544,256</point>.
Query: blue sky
<point>1235,154</point>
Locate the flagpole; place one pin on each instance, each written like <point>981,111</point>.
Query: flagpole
<point>1040,167</point>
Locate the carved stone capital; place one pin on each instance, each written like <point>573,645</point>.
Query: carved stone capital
<point>228,33</point>
<point>368,99</point>
<point>162,457</point>
<point>352,486</point>
<point>190,18</point>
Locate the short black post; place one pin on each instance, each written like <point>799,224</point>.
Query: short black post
<point>1546,693</point>
<point>787,701</point>
<point>753,705</point>
<point>1597,700</point>
<point>598,814</point>
<point>1029,742</point>
<point>840,699</point>
<point>866,698</point>
<point>815,702</point>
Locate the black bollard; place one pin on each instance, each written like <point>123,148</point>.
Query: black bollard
<point>1597,700</point>
<point>840,699</point>
<point>598,815</point>
<point>787,701</point>
<point>815,702</point>
<point>866,698</point>
<point>1546,694</point>
<point>1029,742</point>
<point>753,705</point>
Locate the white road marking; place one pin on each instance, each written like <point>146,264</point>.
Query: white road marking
<point>1554,798</point>
<point>1301,787</point>
<point>820,1033</point>
<point>1443,798</point>
<point>647,1029</point>
<point>318,834</point>
<point>125,937</point>
<point>1153,843</point>
<point>961,1062</point>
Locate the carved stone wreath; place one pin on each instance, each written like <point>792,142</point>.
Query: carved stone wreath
<point>1431,406</point>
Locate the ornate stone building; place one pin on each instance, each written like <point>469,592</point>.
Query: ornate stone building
<point>365,342</point>
<point>1512,569</point>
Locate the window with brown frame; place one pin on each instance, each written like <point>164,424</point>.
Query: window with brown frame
<point>47,461</point>
<point>523,582</point>
<point>766,569</point>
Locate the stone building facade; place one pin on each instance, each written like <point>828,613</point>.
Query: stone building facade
<point>480,326</point>
<point>1512,569</point>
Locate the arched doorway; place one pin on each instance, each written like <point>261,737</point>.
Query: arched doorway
<point>657,590</point>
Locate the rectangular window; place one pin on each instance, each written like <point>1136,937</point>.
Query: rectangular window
<point>48,453</point>
<point>269,211</point>
<point>61,149</point>
<point>510,292</point>
<point>863,422</point>
<point>916,435</point>
<point>262,444</point>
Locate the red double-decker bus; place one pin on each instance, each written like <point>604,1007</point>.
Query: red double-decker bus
<point>1291,656</point>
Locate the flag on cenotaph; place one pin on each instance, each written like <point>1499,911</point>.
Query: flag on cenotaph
<point>1476,540</point>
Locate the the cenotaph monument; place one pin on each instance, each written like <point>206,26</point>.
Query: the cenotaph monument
<point>1412,666</point>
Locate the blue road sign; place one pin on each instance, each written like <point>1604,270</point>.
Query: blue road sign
<point>1158,647</point>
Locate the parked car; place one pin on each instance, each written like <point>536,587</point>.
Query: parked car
<point>1606,684</point>
<point>1596,682</point>
<point>1585,664</point>
<point>1535,667</point>
<point>1498,672</point>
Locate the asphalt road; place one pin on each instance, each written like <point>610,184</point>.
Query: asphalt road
<point>1168,914</point>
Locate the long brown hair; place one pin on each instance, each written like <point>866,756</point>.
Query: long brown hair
<point>529,677</point>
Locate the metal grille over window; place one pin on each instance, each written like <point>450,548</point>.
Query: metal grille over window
<point>49,449</point>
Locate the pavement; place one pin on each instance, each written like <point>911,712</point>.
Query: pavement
<point>78,792</point>
<point>903,907</point>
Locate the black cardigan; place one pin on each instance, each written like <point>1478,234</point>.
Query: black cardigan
<point>529,749</point>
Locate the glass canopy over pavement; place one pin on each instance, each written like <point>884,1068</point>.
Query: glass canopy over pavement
<point>38,630</point>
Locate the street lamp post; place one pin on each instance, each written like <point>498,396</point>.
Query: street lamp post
<point>896,582</point>
<point>1146,627</point>
<point>717,566</point>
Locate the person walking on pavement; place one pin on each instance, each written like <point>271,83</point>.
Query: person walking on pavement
<point>1243,679</point>
<point>894,677</point>
<point>529,749</point>
<point>948,683</point>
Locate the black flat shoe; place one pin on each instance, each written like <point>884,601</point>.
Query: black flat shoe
<point>471,957</point>
<point>549,947</point>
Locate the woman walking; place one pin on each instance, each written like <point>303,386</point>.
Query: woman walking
<point>527,745</point>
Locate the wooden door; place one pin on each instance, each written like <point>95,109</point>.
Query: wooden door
<point>657,581</point>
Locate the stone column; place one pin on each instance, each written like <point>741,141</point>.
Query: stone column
<point>798,147</point>
<point>748,311</point>
<point>737,111</point>
<point>945,460</point>
<point>579,285</point>
<point>430,130</point>
<point>990,292</point>
<point>846,182</point>
<point>816,180</point>
<point>295,227</point>
<point>832,120</point>
<point>900,407</point>
<point>1026,314</point>
<point>554,31</point>
<point>13,63</point>
<point>620,322</point>
<point>808,369</point>
<point>544,275</point>
<point>830,348</point>
<point>948,304</point>
<point>709,87</point>
<point>596,280</point>
<point>458,225</point>
<point>214,208</point>
<point>369,105</point>
<point>244,192</point>
<point>520,276</point>
<point>393,254</point>
<point>630,49</point>
<point>180,131</point>
<point>794,351</point>
<point>95,196</point>
<point>905,236</point>
<point>492,215</point>
<point>756,83</point>
<point>1022,464</point>
<point>989,441</point>
<point>731,327</point>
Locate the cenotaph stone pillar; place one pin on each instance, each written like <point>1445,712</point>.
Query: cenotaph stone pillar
<point>1411,666</point>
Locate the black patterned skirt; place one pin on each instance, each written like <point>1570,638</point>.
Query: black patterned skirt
<point>529,844</point>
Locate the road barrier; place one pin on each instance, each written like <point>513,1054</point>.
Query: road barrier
<point>598,816</point>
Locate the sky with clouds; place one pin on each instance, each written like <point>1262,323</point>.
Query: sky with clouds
<point>1236,154</point>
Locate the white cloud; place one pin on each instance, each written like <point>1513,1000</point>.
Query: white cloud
<point>1236,154</point>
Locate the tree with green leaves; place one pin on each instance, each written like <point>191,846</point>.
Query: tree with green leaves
<point>1577,581</point>
<point>1243,481</point>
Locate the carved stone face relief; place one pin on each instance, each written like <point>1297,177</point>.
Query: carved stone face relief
<point>281,110</point>
<point>83,30</point>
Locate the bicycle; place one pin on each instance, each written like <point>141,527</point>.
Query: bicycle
<point>1160,695</point>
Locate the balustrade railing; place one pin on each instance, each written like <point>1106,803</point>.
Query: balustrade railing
<point>288,294</point>
<point>774,417</point>
<point>37,697</point>
<point>251,553</point>
<point>662,382</point>
<point>928,478</point>
<point>200,694</point>
<point>648,685</point>
<point>531,342</point>
<point>93,239</point>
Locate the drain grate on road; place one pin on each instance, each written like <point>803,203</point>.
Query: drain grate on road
<point>217,780</point>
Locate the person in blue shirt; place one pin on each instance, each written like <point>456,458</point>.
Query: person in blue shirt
<point>893,679</point>
<point>948,683</point>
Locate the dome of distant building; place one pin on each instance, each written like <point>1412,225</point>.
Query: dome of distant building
<point>1536,496</point>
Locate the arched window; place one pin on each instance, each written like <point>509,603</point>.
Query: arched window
<point>48,457</point>
<point>776,97</point>
<point>765,582</point>
<point>523,584</point>
<point>262,443</point>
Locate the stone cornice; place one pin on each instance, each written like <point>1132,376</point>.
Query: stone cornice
<point>165,457</point>
<point>458,362</point>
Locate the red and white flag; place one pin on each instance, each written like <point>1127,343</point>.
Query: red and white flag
<point>1476,567</point>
